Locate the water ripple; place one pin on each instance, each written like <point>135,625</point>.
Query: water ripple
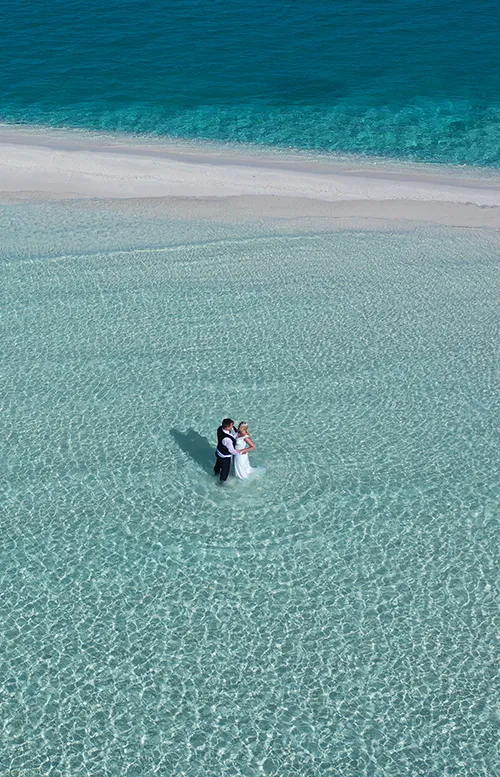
<point>337,616</point>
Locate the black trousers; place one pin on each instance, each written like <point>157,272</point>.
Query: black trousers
<point>222,466</point>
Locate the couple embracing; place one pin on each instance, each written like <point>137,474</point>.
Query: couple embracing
<point>233,444</point>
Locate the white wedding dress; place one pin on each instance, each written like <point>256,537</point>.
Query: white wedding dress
<point>242,468</point>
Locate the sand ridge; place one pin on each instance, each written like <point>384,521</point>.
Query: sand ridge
<point>58,164</point>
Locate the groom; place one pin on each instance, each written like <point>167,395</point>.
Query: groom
<point>226,438</point>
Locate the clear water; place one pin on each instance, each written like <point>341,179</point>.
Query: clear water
<point>413,79</point>
<point>337,616</point>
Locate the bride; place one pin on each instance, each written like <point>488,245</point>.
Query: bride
<point>244,442</point>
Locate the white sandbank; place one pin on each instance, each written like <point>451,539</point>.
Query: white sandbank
<point>58,164</point>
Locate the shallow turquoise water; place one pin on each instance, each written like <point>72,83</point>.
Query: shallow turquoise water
<point>337,616</point>
<point>413,79</point>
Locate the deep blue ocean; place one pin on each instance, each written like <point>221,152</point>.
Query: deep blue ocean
<point>410,79</point>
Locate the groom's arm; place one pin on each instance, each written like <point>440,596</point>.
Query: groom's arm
<point>228,442</point>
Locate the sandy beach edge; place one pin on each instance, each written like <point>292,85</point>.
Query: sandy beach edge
<point>59,165</point>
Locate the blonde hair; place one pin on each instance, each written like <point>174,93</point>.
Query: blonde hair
<point>243,428</point>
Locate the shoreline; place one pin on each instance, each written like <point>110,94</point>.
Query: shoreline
<point>43,164</point>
